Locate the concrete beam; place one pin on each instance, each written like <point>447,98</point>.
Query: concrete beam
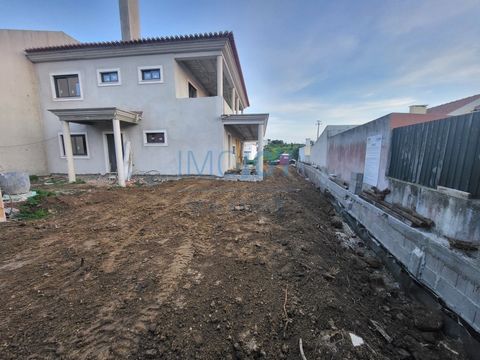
<point>117,136</point>
<point>220,75</point>
<point>67,142</point>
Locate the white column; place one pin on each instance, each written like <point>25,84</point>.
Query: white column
<point>117,136</point>
<point>234,100</point>
<point>220,75</point>
<point>237,105</point>
<point>67,142</point>
<point>260,151</point>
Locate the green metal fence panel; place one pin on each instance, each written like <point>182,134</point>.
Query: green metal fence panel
<point>439,153</point>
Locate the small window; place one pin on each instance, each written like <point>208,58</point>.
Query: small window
<point>150,74</point>
<point>192,91</point>
<point>79,145</point>
<point>67,86</point>
<point>155,138</point>
<point>108,77</point>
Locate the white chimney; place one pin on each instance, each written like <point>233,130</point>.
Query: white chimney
<point>418,109</point>
<point>129,19</point>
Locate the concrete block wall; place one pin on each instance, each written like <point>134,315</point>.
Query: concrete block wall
<point>451,275</point>
<point>454,217</point>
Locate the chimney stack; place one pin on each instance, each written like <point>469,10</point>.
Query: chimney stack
<point>418,109</point>
<point>129,19</point>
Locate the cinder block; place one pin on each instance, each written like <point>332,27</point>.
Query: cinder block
<point>429,277</point>
<point>463,284</point>
<point>415,263</point>
<point>476,322</point>
<point>433,262</point>
<point>449,275</point>
<point>472,291</point>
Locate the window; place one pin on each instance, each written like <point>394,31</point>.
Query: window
<point>192,91</point>
<point>150,74</point>
<point>108,77</point>
<point>66,86</point>
<point>79,145</point>
<point>155,138</point>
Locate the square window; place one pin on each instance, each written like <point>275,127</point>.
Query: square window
<point>67,86</point>
<point>110,76</point>
<point>150,74</point>
<point>155,137</point>
<point>79,145</point>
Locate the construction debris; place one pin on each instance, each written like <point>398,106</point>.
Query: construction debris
<point>407,216</point>
<point>356,340</point>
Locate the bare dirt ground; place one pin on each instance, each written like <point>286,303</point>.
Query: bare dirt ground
<point>202,269</point>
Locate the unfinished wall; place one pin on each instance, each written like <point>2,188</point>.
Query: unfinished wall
<point>454,217</point>
<point>21,135</point>
<point>346,150</point>
<point>319,150</point>
<point>450,274</point>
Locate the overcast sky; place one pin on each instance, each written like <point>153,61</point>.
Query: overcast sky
<point>341,62</point>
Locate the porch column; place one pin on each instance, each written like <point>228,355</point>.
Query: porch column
<point>260,151</point>
<point>67,142</point>
<point>234,100</point>
<point>220,75</point>
<point>117,136</point>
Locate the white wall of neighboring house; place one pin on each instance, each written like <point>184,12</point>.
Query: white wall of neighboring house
<point>319,149</point>
<point>195,134</point>
<point>22,138</point>
<point>250,150</point>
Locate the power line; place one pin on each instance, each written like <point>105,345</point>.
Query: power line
<point>32,143</point>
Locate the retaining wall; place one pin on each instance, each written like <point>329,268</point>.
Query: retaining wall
<point>451,275</point>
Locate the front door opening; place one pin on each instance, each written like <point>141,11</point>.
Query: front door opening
<point>112,159</point>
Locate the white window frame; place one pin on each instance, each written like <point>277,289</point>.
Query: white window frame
<point>139,71</point>
<point>99,77</point>
<point>54,92</point>
<point>145,143</point>
<point>64,156</point>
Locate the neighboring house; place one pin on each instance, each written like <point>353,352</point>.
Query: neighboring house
<point>169,106</point>
<point>21,127</point>
<point>346,153</point>
<point>250,151</point>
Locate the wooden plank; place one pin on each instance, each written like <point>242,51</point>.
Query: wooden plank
<point>408,216</point>
<point>375,202</point>
<point>2,209</point>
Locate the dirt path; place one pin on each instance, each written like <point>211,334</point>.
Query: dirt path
<point>202,269</point>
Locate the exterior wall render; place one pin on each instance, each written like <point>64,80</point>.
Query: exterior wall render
<point>346,150</point>
<point>21,129</point>
<point>193,125</point>
<point>319,150</point>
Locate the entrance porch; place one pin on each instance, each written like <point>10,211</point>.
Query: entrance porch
<point>246,128</point>
<point>97,116</point>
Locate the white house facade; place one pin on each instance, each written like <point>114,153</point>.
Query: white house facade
<point>170,106</point>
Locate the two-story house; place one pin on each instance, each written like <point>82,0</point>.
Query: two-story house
<point>170,106</point>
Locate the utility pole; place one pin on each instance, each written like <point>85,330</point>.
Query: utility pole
<point>318,128</point>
